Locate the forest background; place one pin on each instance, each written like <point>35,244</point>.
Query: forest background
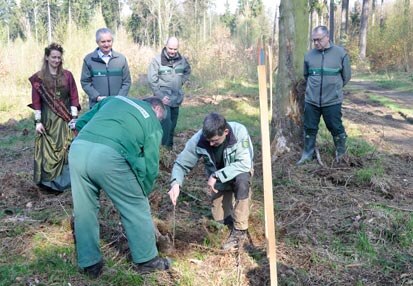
<point>359,243</point>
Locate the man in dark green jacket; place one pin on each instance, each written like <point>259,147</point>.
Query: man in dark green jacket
<point>326,70</point>
<point>105,72</point>
<point>117,151</point>
<point>166,75</point>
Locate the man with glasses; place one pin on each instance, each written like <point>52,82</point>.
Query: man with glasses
<point>326,70</point>
<point>227,153</point>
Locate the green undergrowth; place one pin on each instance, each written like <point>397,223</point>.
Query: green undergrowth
<point>391,104</point>
<point>398,81</point>
<point>242,111</point>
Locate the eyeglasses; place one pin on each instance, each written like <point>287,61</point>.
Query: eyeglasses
<point>319,39</point>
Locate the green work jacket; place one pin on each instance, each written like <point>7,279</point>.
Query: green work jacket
<point>130,127</point>
<point>326,73</point>
<point>101,79</point>
<point>237,155</point>
<point>168,81</point>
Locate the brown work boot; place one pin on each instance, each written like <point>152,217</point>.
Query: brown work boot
<point>155,264</point>
<point>94,270</point>
<point>235,240</point>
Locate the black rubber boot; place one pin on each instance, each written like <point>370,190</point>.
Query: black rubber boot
<point>340,143</point>
<point>235,239</point>
<point>94,270</point>
<point>308,152</point>
<point>155,264</point>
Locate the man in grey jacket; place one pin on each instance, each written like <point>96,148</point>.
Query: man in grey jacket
<point>166,75</point>
<point>326,70</point>
<point>105,72</point>
<point>227,154</point>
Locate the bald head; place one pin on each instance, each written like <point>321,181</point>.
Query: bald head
<point>172,46</point>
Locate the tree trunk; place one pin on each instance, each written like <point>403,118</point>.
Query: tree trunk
<point>363,29</point>
<point>286,125</point>
<point>344,21</point>
<point>332,8</point>
<point>49,23</point>
<point>407,46</point>
<point>161,39</point>
<point>381,15</point>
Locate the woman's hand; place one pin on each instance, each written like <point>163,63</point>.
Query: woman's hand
<point>40,128</point>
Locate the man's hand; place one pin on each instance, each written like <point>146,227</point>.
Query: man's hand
<point>174,193</point>
<point>211,184</point>
<point>100,97</point>
<point>40,128</point>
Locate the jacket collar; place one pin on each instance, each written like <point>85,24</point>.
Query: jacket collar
<point>230,140</point>
<point>96,55</point>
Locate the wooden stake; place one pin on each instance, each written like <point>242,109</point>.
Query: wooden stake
<point>267,173</point>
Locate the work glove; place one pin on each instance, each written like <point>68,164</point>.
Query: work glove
<point>40,128</point>
<point>72,123</point>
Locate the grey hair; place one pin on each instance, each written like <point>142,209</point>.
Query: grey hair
<point>322,29</point>
<point>101,31</point>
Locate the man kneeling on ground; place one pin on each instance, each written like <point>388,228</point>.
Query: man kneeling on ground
<point>227,153</point>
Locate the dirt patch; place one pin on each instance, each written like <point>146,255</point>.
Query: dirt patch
<point>323,214</point>
<point>388,130</point>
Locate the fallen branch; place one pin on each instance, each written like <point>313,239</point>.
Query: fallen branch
<point>401,209</point>
<point>191,196</point>
<point>318,156</point>
<point>216,250</point>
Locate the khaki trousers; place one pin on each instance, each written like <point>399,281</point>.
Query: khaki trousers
<point>233,199</point>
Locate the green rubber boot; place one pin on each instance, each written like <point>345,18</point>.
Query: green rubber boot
<point>308,152</point>
<point>340,143</point>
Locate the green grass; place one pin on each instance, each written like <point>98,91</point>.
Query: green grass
<point>364,246</point>
<point>365,175</point>
<point>355,145</point>
<point>359,147</point>
<point>233,87</point>
<point>398,81</point>
<point>389,103</point>
<point>191,118</point>
<point>22,133</point>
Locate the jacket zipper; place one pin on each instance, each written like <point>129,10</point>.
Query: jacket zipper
<point>322,75</point>
<point>107,77</point>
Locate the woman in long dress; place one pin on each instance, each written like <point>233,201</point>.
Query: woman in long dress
<point>55,102</point>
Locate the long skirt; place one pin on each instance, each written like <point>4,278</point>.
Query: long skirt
<point>51,150</point>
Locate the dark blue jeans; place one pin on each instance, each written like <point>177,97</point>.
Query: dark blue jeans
<point>331,115</point>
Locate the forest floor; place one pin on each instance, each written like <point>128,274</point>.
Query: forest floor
<point>336,225</point>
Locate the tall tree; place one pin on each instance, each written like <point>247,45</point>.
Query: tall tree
<point>142,24</point>
<point>344,21</point>
<point>81,11</point>
<point>10,19</point>
<point>407,32</point>
<point>293,38</point>
<point>363,29</point>
<point>332,19</point>
<point>111,13</point>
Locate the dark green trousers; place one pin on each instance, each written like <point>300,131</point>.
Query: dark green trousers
<point>168,125</point>
<point>95,167</point>
<point>331,115</point>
